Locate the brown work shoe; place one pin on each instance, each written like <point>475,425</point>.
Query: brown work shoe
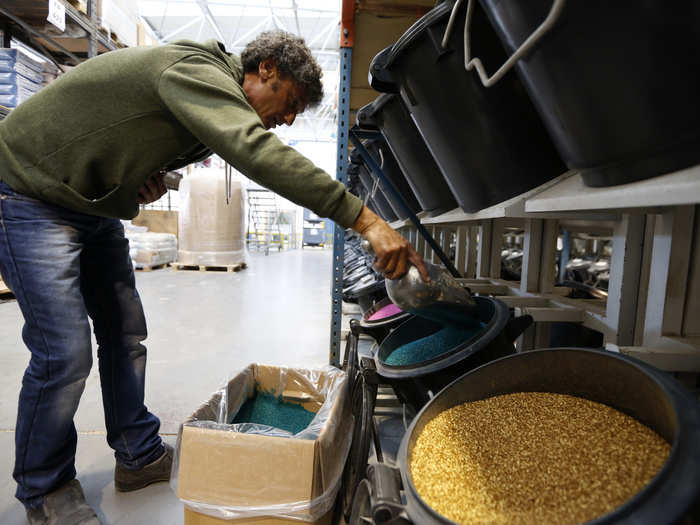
<point>64,505</point>
<point>126,480</point>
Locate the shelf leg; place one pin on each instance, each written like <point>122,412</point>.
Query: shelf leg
<point>338,232</point>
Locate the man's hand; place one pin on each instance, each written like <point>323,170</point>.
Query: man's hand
<point>152,190</point>
<point>393,251</point>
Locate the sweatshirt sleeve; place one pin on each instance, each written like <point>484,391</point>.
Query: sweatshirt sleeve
<point>208,101</point>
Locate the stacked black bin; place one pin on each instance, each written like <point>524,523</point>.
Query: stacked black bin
<point>489,143</point>
<point>388,114</point>
<point>384,158</point>
<point>616,83</point>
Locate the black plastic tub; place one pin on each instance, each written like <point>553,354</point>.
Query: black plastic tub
<point>489,143</point>
<point>639,390</point>
<point>383,156</point>
<point>615,82</point>
<point>415,384</point>
<point>367,296</point>
<point>388,114</point>
<point>380,328</point>
<point>386,212</point>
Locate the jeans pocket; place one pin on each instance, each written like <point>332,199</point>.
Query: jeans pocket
<point>6,192</point>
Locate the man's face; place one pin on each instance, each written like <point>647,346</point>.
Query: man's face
<point>275,98</point>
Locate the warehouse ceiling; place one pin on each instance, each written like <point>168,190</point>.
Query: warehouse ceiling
<point>236,22</point>
<point>378,23</point>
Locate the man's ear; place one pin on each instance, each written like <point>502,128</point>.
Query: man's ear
<point>267,70</point>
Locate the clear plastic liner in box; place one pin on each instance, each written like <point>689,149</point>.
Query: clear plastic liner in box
<point>326,386</point>
<point>211,220</point>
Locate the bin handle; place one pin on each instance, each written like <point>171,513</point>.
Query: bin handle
<point>475,63</point>
<point>381,166</point>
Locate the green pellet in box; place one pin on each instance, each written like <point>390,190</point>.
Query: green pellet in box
<point>267,409</point>
<point>272,477</point>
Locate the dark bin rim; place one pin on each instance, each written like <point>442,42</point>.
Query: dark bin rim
<point>355,157</point>
<point>374,107</point>
<point>367,114</point>
<point>436,14</point>
<point>370,288</point>
<point>468,347</point>
<point>628,512</point>
<point>386,320</point>
<point>378,76</point>
<point>366,117</point>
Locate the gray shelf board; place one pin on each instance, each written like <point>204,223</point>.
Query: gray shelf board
<point>513,207</point>
<point>402,223</point>
<point>673,360</point>
<point>570,194</point>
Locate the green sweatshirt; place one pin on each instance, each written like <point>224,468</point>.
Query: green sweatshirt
<point>89,140</point>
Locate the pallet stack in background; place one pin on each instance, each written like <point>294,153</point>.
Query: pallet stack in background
<point>149,250</point>
<point>118,18</point>
<point>20,77</point>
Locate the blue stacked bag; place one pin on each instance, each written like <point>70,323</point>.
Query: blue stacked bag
<point>20,77</point>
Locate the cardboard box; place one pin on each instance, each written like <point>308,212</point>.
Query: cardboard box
<point>159,221</point>
<point>224,468</point>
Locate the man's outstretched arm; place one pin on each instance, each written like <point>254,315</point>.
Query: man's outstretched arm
<point>392,250</point>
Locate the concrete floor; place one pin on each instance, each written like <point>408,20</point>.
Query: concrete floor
<point>202,328</point>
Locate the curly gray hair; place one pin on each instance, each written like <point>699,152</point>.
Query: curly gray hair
<point>291,55</point>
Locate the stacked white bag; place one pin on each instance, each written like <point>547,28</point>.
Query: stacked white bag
<point>149,249</point>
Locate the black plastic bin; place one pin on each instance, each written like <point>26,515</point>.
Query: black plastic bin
<point>367,296</point>
<point>385,210</point>
<point>391,170</point>
<point>416,383</point>
<point>615,82</point>
<point>388,114</point>
<point>380,328</point>
<point>489,143</point>
<point>639,390</point>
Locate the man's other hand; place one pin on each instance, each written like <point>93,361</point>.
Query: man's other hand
<point>152,190</point>
<point>392,250</point>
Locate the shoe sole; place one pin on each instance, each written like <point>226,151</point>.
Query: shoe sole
<point>130,487</point>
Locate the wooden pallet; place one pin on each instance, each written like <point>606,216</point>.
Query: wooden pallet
<point>209,268</point>
<point>114,37</point>
<point>150,268</point>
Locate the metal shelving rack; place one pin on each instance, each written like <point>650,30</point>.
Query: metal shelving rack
<point>24,12</point>
<point>346,26</point>
<point>376,24</point>
<point>654,232</point>
<point>654,227</point>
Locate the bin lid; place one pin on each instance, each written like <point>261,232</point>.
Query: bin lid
<point>380,77</point>
<point>367,115</point>
<point>374,286</point>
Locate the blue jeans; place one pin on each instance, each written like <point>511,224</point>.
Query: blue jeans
<point>64,266</point>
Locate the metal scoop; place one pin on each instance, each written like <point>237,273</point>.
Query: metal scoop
<point>442,299</point>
